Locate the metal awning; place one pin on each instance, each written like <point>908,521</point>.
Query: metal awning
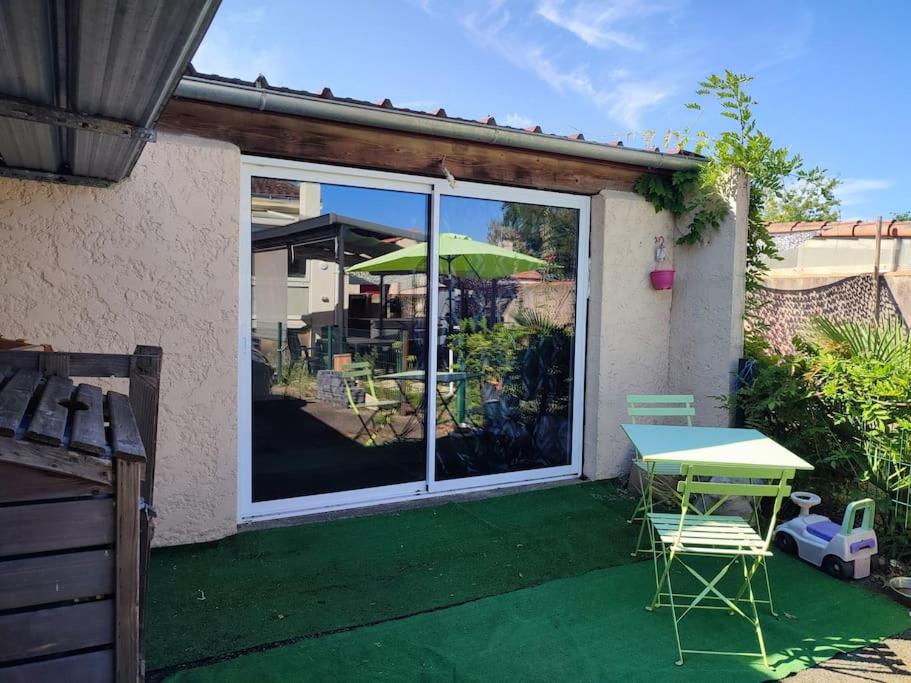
<point>82,82</point>
<point>315,238</point>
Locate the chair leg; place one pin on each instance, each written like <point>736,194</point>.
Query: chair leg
<point>644,506</point>
<point>758,627</point>
<point>670,593</point>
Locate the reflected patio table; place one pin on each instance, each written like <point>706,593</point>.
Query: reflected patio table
<point>454,377</point>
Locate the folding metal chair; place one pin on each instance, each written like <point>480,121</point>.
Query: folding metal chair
<point>681,537</point>
<point>354,373</point>
<point>657,405</point>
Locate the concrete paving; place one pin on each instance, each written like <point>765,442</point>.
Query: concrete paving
<point>884,662</point>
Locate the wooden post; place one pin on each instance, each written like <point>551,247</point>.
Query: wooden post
<point>876,285</point>
<point>145,385</point>
<point>127,639</point>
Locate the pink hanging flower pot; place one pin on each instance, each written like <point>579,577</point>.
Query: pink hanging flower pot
<point>662,279</point>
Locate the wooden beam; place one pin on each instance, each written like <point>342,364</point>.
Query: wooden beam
<point>127,646</point>
<point>303,139</point>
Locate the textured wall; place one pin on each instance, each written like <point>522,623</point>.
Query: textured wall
<point>152,260</point>
<point>628,324</point>
<point>706,333</point>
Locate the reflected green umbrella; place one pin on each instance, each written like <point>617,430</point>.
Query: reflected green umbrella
<point>460,256</point>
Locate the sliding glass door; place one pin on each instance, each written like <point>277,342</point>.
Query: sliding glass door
<point>505,395</point>
<point>400,336</point>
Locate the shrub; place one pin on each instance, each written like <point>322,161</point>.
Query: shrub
<point>843,403</point>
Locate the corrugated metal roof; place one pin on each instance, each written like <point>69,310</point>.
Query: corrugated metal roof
<point>117,59</point>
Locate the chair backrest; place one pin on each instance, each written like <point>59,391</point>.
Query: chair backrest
<point>751,482</point>
<point>356,371</point>
<point>294,345</point>
<point>661,405</point>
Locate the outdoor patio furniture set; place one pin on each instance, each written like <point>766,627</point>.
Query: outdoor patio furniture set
<point>714,466</point>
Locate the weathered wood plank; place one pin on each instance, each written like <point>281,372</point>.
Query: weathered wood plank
<point>62,461</point>
<point>46,527</point>
<point>56,578</point>
<point>295,137</point>
<point>80,364</point>
<point>14,399</point>
<point>145,382</point>
<point>49,421</point>
<point>56,630</point>
<point>127,597</point>
<point>125,440</point>
<point>19,483</point>
<point>54,364</point>
<point>93,667</point>
<point>88,433</point>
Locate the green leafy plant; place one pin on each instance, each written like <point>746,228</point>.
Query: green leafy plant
<point>843,402</point>
<point>703,195</point>
<point>810,198</point>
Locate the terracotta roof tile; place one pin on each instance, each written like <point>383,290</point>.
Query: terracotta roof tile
<point>855,228</point>
<point>386,103</point>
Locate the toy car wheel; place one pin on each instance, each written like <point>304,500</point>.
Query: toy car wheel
<point>837,567</point>
<point>786,543</point>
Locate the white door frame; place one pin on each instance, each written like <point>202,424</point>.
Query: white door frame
<point>435,188</point>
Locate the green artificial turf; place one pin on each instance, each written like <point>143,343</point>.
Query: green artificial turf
<point>590,627</point>
<point>267,586</point>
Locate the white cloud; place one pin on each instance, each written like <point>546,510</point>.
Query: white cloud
<point>223,54</point>
<point>624,99</point>
<point>853,191</point>
<point>517,121</point>
<point>597,23</point>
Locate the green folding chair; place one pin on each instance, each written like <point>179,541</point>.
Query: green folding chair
<point>354,374</point>
<point>686,535</point>
<point>678,407</point>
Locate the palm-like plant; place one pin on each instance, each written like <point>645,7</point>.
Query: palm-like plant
<point>887,342</point>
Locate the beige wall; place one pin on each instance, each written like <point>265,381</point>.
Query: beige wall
<point>706,335</point>
<point>628,324</point>
<point>151,260</point>
<point>686,340</point>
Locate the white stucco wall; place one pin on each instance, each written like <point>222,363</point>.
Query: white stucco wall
<point>706,333</point>
<point>643,341</point>
<point>151,260</point>
<point>628,327</point>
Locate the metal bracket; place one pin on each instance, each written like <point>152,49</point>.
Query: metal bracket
<point>51,177</point>
<point>23,110</point>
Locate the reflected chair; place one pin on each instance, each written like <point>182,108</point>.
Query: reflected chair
<point>691,541</point>
<point>677,406</point>
<point>360,375</point>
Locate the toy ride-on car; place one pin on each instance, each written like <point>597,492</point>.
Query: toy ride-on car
<point>843,551</point>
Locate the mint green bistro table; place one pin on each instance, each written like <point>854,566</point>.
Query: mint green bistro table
<point>711,446</point>
<point>748,463</point>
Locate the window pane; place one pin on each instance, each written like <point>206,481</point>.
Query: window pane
<point>339,363</point>
<point>507,308</point>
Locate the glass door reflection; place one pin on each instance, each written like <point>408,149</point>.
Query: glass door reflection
<point>507,320</point>
<point>339,356</point>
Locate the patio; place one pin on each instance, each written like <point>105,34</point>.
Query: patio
<point>537,585</point>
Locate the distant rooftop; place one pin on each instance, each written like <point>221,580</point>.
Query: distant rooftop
<point>856,228</point>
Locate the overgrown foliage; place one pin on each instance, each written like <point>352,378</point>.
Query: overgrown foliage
<point>703,196</point>
<point>810,198</point>
<point>843,402</point>
<point>549,232</point>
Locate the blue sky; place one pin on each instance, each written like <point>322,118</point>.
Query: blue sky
<point>832,77</point>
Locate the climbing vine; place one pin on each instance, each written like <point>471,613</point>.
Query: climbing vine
<point>702,194</point>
